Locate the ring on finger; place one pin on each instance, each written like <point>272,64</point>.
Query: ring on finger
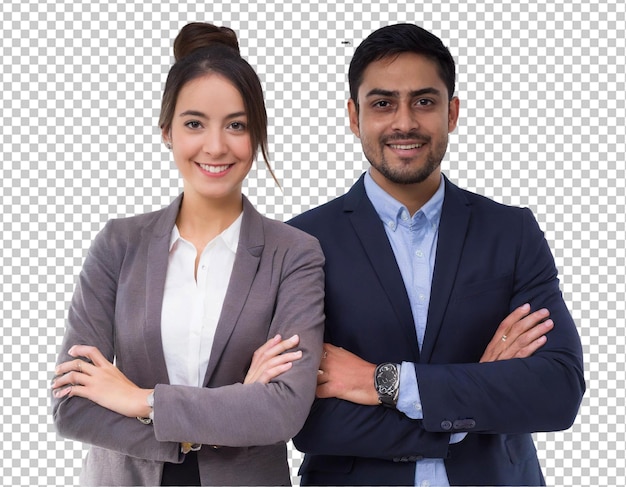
<point>80,366</point>
<point>504,338</point>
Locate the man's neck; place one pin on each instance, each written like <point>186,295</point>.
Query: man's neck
<point>413,196</point>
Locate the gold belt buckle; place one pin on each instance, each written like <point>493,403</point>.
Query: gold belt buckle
<point>186,447</point>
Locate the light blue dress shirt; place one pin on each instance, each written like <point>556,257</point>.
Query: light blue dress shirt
<point>414,243</point>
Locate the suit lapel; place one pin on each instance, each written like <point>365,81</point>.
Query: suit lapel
<point>455,218</point>
<point>156,271</point>
<point>371,233</point>
<point>249,250</point>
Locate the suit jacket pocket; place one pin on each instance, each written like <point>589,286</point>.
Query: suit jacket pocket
<point>496,286</point>
<point>520,448</point>
<point>326,463</point>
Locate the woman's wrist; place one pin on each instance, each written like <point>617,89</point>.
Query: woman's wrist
<point>145,403</point>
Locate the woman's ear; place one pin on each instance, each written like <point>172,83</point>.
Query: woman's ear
<point>166,135</point>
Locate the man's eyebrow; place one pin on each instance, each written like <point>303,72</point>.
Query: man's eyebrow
<point>396,94</point>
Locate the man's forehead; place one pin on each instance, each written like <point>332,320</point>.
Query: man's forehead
<point>403,73</point>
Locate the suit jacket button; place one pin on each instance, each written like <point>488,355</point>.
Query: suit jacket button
<point>464,424</point>
<point>446,425</point>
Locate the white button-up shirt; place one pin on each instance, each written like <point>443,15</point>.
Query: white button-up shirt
<point>192,306</point>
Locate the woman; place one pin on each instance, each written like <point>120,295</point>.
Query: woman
<point>181,299</point>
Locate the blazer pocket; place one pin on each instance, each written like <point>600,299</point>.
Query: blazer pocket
<point>499,285</point>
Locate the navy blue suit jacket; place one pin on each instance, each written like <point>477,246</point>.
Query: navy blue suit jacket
<point>490,259</point>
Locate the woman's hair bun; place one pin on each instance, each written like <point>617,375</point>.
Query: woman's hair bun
<point>197,35</point>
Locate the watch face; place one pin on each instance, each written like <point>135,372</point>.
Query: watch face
<point>386,379</point>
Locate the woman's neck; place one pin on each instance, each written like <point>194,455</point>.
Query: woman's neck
<point>201,220</point>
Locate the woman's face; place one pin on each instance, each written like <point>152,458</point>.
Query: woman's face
<point>210,138</point>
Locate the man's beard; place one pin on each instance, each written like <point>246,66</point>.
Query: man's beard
<point>407,174</point>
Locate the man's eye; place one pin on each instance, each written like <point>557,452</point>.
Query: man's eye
<point>382,104</point>
<point>424,102</point>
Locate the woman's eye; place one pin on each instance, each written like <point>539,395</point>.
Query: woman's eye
<point>239,126</point>
<point>193,124</point>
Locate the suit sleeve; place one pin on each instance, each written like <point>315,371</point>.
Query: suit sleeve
<point>257,414</point>
<point>539,393</point>
<point>91,322</point>
<point>338,427</point>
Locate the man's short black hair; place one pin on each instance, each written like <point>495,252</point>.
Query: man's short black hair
<point>396,39</point>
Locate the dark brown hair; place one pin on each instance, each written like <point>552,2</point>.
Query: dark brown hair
<point>200,49</point>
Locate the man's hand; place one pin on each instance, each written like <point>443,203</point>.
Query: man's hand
<point>99,381</point>
<point>519,335</point>
<point>346,376</point>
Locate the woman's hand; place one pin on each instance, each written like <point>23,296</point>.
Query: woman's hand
<point>100,381</point>
<point>519,335</point>
<point>269,361</point>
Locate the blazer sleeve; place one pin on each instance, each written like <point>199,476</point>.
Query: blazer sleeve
<point>539,393</point>
<point>91,322</point>
<point>257,414</point>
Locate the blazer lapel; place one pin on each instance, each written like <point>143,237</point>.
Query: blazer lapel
<point>455,218</point>
<point>249,250</point>
<point>156,271</point>
<point>370,230</point>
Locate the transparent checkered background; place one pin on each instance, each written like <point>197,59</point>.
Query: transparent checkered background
<point>542,125</point>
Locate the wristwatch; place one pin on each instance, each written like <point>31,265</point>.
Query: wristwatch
<point>387,383</point>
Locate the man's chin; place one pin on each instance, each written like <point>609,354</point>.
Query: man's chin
<point>408,177</point>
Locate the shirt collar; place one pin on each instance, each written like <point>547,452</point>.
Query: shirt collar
<point>230,236</point>
<point>393,213</point>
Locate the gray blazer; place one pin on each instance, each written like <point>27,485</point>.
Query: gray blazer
<point>277,286</point>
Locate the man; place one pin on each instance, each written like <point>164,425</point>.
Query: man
<point>419,383</point>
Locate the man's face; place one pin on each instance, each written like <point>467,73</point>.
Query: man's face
<point>403,119</point>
